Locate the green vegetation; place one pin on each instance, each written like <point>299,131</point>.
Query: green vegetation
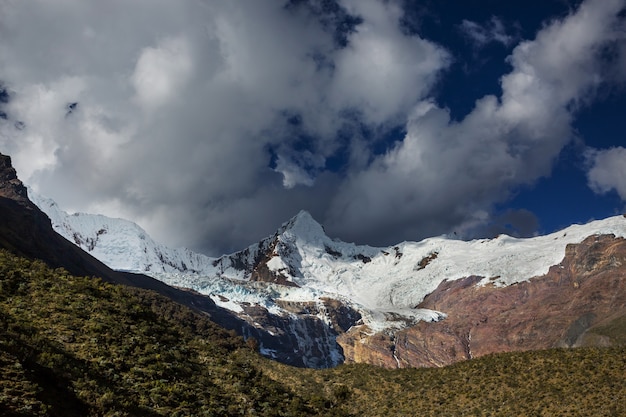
<point>72,346</point>
<point>558,382</point>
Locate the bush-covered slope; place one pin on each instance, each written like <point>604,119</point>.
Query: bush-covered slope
<point>79,346</point>
<point>559,382</point>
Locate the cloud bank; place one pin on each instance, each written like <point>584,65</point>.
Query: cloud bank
<point>210,123</point>
<point>448,172</point>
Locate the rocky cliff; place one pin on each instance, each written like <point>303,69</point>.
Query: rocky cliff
<point>575,304</point>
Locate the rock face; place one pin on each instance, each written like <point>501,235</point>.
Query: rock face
<point>563,308</point>
<point>10,186</point>
<point>301,338</point>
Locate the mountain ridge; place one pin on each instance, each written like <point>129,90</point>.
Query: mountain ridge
<point>27,231</point>
<point>299,274</point>
<point>112,240</point>
<point>74,346</point>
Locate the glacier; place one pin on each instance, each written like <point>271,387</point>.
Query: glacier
<point>384,284</point>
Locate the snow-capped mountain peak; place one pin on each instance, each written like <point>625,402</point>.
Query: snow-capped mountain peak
<point>300,254</point>
<point>304,227</point>
<point>120,244</point>
<point>300,265</point>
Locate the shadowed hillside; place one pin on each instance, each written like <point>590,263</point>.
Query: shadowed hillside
<point>82,347</point>
<point>74,346</point>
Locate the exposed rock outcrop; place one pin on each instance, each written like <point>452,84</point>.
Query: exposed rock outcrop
<point>263,273</point>
<point>561,309</point>
<point>10,186</point>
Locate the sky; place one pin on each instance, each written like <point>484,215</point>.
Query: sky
<point>210,122</point>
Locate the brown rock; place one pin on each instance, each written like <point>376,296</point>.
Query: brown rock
<point>10,186</point>
<point>361,345</point>
<point>559,309</point>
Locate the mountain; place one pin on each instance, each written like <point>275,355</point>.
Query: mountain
<point>27,231</point>
<point>78,346</point>
<point>121,244</point>
<point>284,330</point>
<point>314,301</point>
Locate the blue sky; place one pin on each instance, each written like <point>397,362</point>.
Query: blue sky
<point>563,197</point>
<point>210,123</point>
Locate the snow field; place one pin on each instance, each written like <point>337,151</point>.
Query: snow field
<point>379,282</point>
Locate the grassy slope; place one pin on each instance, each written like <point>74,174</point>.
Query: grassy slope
<point>560,382</point>
<point>77,346</point>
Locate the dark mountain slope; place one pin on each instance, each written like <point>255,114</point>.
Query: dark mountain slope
<point>72,346</point>
<point>26,231</point>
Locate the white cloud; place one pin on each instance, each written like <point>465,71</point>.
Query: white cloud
<point>382,72</point>
<point>161,72</point>
<point>444,172</point>
<point>607,170</point>
<point>299,168</point>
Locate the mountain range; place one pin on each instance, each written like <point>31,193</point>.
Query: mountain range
<point>313,301</point>
<point>78,338</point>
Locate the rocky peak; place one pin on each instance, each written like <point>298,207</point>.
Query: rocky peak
<point>303,227</point>
<point>26,231</point>
<point>10,186</point>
